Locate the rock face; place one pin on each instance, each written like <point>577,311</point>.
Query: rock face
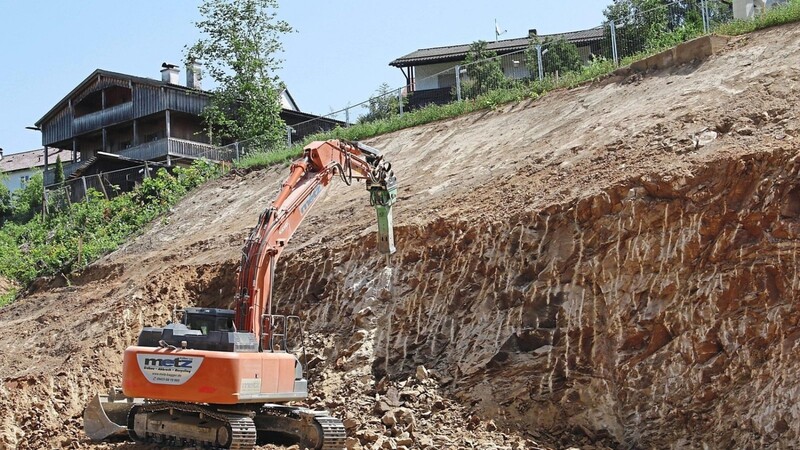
<point>609,266</point>
<point>663,300</point>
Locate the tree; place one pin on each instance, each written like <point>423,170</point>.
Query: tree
<point>242,38</point>
<point>561,57</point>
<point>382,105</point>
<point>483,71</point>
<point>59,171</point>
<point>27,201</point>
<point>5,199</point>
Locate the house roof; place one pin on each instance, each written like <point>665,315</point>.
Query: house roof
<point>109,74</point>
<point>32,159</point>
<point>288,103</point>
<point>459,52</point>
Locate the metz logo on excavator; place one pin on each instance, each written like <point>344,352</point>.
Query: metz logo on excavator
<point>177,362</point>
<point>168,369</point>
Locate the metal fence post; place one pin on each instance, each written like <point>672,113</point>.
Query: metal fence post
<point>236,144</point>
<point>347,116</point>
<point>706,18</point>
<point>539,60</point>
<point>614,54</point>
<point>85,189</point>
<point>400,100</point>
<point>458,82</point>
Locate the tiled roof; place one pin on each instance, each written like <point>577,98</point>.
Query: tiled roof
<point>459,52</point>
<point>32,159</point>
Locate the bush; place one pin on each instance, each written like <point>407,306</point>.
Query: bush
<point>72,238</point>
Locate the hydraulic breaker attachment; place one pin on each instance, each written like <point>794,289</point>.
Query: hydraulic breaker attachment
<point>385,227</point>
<point>382,195</point>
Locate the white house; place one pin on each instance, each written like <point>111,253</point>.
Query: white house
<point>430,74</point>
<point>18,168</point>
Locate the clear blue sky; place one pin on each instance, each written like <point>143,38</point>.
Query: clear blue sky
<point>338,56</point>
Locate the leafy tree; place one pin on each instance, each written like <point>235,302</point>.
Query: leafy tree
<point>5,199</point>
<point>59,171</point>
<point>484,71</point>
<point>242,38</point>
<point>27,201</point>
<point>382,105</point>
<point>561,57</point>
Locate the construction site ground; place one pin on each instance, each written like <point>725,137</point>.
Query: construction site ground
<point>612,266</point>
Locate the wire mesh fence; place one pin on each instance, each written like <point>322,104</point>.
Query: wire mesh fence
<point>109,184</point>
<point>106,184</point>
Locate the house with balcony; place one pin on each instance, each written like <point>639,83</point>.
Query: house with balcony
<point>430,72</point>
<point>111,119</point>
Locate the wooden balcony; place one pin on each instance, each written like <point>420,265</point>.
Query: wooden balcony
<point>103,118</point>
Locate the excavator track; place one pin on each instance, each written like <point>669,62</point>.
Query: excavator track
<point>236,431</point>
<point>310,428</point>
<point>334,436</point>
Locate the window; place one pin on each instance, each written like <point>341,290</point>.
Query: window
<point>24,179</point>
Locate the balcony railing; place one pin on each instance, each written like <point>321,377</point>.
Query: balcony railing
<point>105,117</point>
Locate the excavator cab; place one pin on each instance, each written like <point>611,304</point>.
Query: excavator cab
<point>208,319</point>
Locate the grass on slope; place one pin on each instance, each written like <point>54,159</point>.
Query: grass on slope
<point>780,15</point>
<point>787,13</point>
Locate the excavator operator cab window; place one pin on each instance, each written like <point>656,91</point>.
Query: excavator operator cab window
<point>200,323</point>
<point>209,321</point>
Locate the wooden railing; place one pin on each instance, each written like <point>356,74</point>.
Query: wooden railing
<point>105,117</point>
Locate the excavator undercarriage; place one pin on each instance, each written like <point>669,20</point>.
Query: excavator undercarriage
<point>203,426</point>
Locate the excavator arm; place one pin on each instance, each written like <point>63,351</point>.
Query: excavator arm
<point>310,176</point>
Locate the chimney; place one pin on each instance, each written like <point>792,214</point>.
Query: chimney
<point>532,33</point>
<point>169,73</point>
<point>194,74</point>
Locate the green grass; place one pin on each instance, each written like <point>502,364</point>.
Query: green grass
<point>780,15</point>
<point>8,297</point>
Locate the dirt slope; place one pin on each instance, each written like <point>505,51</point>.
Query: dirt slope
<point>614,265</point>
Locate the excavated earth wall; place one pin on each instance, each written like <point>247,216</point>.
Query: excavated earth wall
<point>610,266</point>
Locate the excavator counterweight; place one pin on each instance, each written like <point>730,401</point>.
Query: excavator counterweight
<point>224,378</point>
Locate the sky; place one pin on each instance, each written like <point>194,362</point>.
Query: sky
<point>338,55</point>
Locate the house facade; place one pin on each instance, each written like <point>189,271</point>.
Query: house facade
<point>430,72</point>
<point>18,168</point>
<point>137,119</point>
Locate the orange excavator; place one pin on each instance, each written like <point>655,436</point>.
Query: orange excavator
<point>222,378</point>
